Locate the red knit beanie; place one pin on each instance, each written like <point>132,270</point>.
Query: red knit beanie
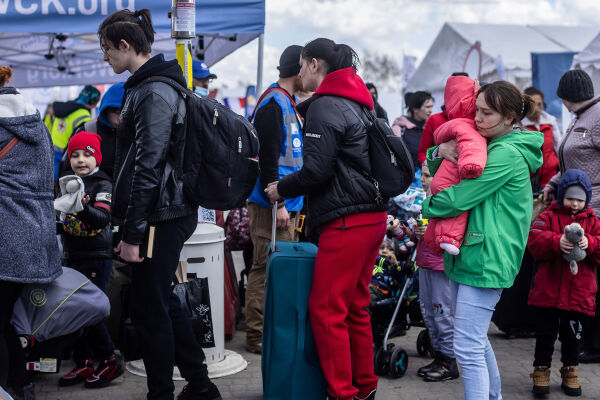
<point>87,141</point>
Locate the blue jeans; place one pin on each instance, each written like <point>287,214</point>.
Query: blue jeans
<point>473,308</point>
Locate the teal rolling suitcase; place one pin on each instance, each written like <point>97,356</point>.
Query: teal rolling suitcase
<point>290,364</point>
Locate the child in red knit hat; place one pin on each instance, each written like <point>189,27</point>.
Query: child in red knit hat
<point>87,240</point>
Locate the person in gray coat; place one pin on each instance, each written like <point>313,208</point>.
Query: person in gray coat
<point>580,149</point>
<point>29,250</point>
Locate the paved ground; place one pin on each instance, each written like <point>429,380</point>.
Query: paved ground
<point>514,357</point>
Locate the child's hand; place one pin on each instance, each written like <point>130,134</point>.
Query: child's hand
<point>583,243</point>
<point>407,231</point>
<point>566,246</point>
<point>85,199</point>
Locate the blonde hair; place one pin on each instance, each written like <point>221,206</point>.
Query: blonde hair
<point>5,74</point>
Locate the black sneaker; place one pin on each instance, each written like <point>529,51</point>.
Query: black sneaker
<point>370,396</point>
<point>82,371</point>
<point>445,371</point>
<point>107,371</point>
<point>590,356</point>
<point>425,369</point>
<point>209,392</point>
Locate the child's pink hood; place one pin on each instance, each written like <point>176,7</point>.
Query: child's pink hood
<point>459,97</point>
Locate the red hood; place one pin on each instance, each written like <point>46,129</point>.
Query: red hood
<point>346,83</point>
<point>459,97</point>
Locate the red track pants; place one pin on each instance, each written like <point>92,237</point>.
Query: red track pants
<point>338,301</point>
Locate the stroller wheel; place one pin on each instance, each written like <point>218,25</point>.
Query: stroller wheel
<point>424,343</point>
<point>380,362</point>
<point>398,363</point>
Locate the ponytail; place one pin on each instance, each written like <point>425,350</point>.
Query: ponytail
<point>5,74</point>
<point>528,105</point>
<point>336,56</point>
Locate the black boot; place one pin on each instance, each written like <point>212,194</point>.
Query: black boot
<point>446,369</point>
<point>425,369</point>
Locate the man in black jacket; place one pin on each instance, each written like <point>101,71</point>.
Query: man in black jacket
<point>148,195</point>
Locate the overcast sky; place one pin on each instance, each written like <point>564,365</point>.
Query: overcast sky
<point>386,26</point>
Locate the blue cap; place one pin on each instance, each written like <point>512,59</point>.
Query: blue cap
<point>200,71</point>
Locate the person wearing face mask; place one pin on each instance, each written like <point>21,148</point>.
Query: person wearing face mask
<point>201,78</point>
<point>279,130</point>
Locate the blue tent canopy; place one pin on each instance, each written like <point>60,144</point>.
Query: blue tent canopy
<point>54,42</point>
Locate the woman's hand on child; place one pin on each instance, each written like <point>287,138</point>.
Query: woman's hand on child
<point>448,151</point>
<point>85,199</point>
<point>583,243</point>
<point>565,245</point>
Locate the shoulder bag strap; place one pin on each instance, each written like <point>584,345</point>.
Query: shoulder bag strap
<point>365,174</point>
<point>8,146</point>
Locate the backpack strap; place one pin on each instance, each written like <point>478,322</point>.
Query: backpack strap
<point>8,146</point>
<point>262,96</point>
<point>365,174</point>
<point>171,82</point>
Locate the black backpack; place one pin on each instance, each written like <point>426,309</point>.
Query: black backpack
<point>220,164</point>
<point>392,169</point>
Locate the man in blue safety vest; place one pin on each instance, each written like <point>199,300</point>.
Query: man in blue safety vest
<point>279,129</point>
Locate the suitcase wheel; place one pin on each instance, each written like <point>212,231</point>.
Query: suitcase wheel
<point>398,363</point>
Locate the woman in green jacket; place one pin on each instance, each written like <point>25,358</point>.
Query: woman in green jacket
<point>500,204</point>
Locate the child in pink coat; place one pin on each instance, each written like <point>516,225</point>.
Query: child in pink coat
<point>459,97</point>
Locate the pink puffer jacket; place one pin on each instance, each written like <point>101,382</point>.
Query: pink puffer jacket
<point>459,97</point>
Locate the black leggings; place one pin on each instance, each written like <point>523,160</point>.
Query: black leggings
<point>11,353</point>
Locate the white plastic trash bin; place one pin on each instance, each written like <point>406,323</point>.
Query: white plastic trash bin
<point>203,253</point>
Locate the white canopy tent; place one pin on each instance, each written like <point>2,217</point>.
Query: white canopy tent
<point>589,61</point>
<point>505,52</point>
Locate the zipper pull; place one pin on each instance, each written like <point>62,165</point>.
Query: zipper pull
<point>393,158</point>
<point>215,117</point>
<point>239,144</point>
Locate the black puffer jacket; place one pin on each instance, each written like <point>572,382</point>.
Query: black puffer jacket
<point>87,234</point>
<point>334,139</point>
<point>149,152</point>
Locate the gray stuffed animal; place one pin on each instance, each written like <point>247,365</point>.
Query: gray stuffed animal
<point>574,234</point>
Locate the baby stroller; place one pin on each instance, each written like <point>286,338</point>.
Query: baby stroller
<point>394,315</point>
<point>47,317</point>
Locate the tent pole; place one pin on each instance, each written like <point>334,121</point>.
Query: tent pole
<point>259,70</point>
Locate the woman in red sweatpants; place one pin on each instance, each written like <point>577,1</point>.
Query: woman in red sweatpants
<point>343,208</point>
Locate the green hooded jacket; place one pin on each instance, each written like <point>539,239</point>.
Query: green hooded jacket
<point>500,203</point>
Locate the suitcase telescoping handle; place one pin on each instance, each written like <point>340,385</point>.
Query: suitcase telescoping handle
<point>274,227</point>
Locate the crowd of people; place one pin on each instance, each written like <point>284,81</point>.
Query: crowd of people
<point>480,164</point>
